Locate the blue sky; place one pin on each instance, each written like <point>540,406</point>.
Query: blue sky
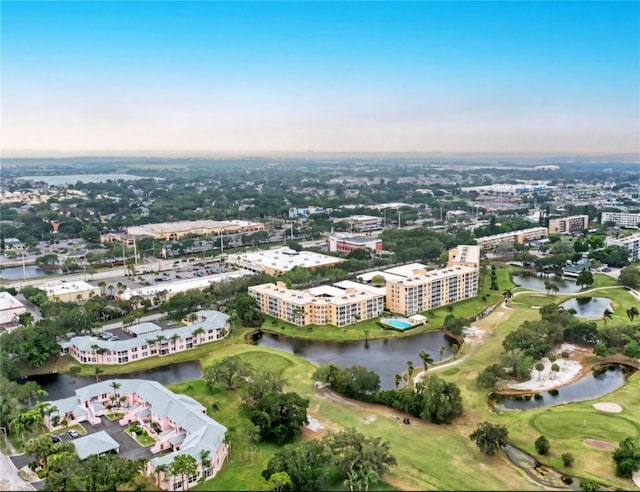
<point>321,76</point>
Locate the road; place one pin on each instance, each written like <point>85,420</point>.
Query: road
<point>118,324</point>
<point>9,478</point>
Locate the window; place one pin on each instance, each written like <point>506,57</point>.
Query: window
<point>177,485</point>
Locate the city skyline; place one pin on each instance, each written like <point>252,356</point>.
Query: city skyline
<point>416,77</point>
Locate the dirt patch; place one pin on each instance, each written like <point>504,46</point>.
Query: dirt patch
<point>608,407</point>
<point>597,443</point>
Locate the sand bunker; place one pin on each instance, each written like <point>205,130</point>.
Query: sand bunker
<point>313,425</point>
<point>597,443</point>
<point>636,478</point>
<point>608,407</point>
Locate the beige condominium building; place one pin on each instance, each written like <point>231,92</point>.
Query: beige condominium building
<point>422,290</point>
<point>520,237</point>
<point>621,219</point>
<point>64,291</point>
<point>339,305</point>
<point>567,225</point>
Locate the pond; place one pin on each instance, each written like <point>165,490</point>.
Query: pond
<point>387,357</point>
<point>600,382</point>
<point>62,385</point>
<point>546,476</point>
<point>588,307</point>
<point>535,281</point>
<point>31,271</point>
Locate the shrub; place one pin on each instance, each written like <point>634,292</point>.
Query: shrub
<point>567,459</point>
<point>542,445</point>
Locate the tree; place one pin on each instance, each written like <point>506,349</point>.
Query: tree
<point>632,312</point>
<point>589,485</point>
<point>410,369</point>
<point>97,371</point>
<point>161,469</point>
<point>555,368</point>
<point>489,376</point>
<point>356,453</point>
<point>307,465</point>
<point>260,385</point>
<point>39,447</point>
<point>584,279</point>
<point>567,459</point>
<point>205,460</point>
<point>627,458</point>
<point>441,400</point>
<point>184,465</point>
<point>426,358</point>
<point>600,349</point>
<point>279,480</point>
<point>539,367</point>
<point>565,356</point>
<point>490,437</point>
<point>397,379</point>
<point>607,315</point>
<point>230,371</point>
<point>542,445</point>
<point>280,416</point>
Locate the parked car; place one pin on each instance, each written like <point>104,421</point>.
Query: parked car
<point>106,335</point>
<point>55,438</point>
<point>113,339</point>
<point>73,433</point>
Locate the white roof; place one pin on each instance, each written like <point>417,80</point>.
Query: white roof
<point>367,277</point>
<point>7,301</point>
<point>185,225</point>
<point>326,290</point>
<point>406,270</point>
<point>283,259</point>
<point>63,287</point>
<point>435,275</point>
<point>349,284</point>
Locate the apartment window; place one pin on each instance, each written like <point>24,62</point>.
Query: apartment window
<point>177,485</point>
<point>192,478</point>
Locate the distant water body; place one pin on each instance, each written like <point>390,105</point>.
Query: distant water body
<point>66,179</point>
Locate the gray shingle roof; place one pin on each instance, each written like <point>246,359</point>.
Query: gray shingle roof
<point>97,443</point>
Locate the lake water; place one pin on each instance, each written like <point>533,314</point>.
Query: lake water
<point>387,357</point>
<point>66,179</point>
<point>536,282</point>
<point>592,386</point>
<point>593,308</point>
<point>62,385</point>
<point>32,271</point>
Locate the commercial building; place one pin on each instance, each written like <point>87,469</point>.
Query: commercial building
<point>281,260</point>
<point>64,291</point>
<point>172,231</point>
<point>304,212</point>
<point>521,237</point>
<point>10,309</point>
<point>148,341</point>
<point>420,290</point>
<point>345,243</point>
<point>340,305</point>
<point>178,424</point>
<point>630,243</point>
<point>169,289</point>
<point>567,225</point>
<point>361,223</point>
<point>621,219</point>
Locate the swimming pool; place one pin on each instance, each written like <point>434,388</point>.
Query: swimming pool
<point>396,323</point>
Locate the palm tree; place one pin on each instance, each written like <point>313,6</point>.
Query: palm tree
<point>555,368</point>
<point>115,385</point>
<point>632,312</point>
<point>426,359</point>
<point>97,371</point>
<point>441,351</point>
<point>174,338</point>
<point>205,460</point>
<point>102,284</point>
<point>397,379</point>
<point>565,356</point>
<point>161,469</point>
<point>507,294</point>
<point>607,315</point>
<point>455,349</point>
<point>539,367</point>
<point>367,477</point>
<point>410,368</point>
<point>197,331</point>
<point>110,287</point>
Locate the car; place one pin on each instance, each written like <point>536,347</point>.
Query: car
<point>178,276</point>
<point>55,438</point>
<point>73,433</point>
<point>170,324</point>
<point>113,338</point>
<point>106,335</point>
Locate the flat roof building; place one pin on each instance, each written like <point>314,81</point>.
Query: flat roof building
<point>345,243</point>
<point>621,219</point>
<point>322,305</point>
<point>362,222</point>
<point>630,243</point>
<point>465,255</point>
<point>10,309</point>
<point>64,291</point>
<point>521,237</point>
<point>567,225</point>
<point>281,260</point>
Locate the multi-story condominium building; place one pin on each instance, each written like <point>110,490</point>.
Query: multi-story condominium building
<point>339,305</point>
<point>172,231</point>
<point>523,236</point>
<point>178,424</point>
<point>630,243</point>
<point>149,340</point>
<point>567,225</point>
<point>70,291</point>
<point>621,219</point>
<point>304,212</point>
<point>429,290</point>
<point>344,243</point>
<point>362,223</point>
<point>281,260</point>
<point>420,290</point>
<point>10,309</point>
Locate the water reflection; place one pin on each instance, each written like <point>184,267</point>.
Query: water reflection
<point>588,307</point>
<point>62,385</point>
<point>535,281</point>
<point>387,357</point>
<point>31,271</point>
<point>594,385</point>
